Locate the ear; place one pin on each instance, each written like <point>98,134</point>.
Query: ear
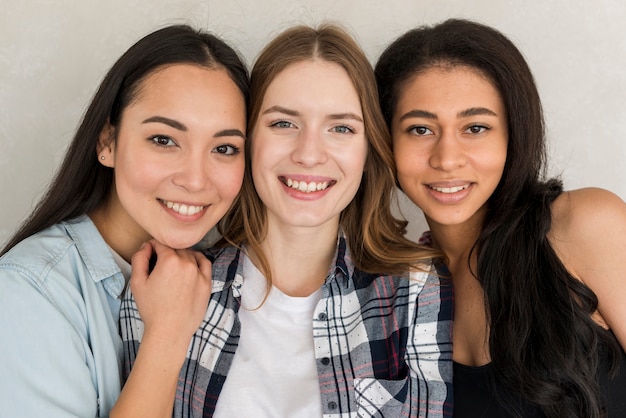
<point>106,146</point>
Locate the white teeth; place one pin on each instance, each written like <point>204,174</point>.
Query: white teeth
<point>450,189</point>
<point>305,187</point>
<point>182,208</point>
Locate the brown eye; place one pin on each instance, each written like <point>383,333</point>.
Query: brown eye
<point>420,130</point>
<point>162,141</point>
<point>477,129</point>
<point>226,149</point>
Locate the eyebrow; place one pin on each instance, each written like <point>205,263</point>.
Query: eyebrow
<point>349,115</point>
<point>291,112</point>
<point>280,109</point>
<point>229,132</point>
<point>181,127</point>
<point>167,121</point>
<point>418,114</point>
<point>472,111</point>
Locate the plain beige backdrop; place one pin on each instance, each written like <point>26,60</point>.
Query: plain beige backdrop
<point>54,53</point>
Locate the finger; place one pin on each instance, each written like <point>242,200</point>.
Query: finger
<point>160,249</point>
<point>186,254</point>
<point>204,264</point>
<point>141,259</point>
<point>163,253</point>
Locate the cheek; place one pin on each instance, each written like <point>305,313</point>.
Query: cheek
<point>406,154</point>
<point>356,160</point>
<point>408,164</point>
<point>355,156</point>
<point>495,164</point>
<point>228,179</point>
<point>137,174</point>
<point>258,151</point>
<point>234,180</point>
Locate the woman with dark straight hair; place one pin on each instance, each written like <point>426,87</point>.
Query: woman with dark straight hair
<point>156,161</point>
<point>539,324</point>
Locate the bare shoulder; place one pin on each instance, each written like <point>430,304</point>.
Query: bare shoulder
<point>588,228</point>
<point>587,214</point>
<point>589,236</point>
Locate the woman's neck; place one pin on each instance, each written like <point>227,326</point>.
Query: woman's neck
<point>455,241</point>
<point>299,257</point>
<point>470,332</point>
<point>119,236</point>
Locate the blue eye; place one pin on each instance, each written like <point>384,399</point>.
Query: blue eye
<point>282,124</point>
<point>226,149</point>
<point>162,140</point>
<point>342,129</point>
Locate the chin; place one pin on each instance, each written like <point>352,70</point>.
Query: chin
<point>181,244</point>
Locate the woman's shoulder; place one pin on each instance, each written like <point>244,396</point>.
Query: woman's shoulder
<point>61,249</point>
<point>589,232</point>
<point>589,236</point>
<point>40,248</point>
<point>582,214</point>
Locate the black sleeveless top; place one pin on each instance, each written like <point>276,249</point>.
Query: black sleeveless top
<point>476,396</point>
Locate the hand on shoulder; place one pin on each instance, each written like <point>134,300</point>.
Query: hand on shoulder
<point>589,235</point>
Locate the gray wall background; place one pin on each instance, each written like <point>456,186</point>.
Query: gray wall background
<point>53,54</point>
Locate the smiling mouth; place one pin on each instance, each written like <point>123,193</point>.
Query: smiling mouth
<point>307,187</point>
<point>448,190</point>
<point>182,208</point>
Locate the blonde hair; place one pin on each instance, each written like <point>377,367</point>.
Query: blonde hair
<point>375,237</point>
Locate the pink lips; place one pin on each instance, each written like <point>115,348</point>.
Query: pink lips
<point>184,217</point>
<point>306,187</point>
<point>449,193</point>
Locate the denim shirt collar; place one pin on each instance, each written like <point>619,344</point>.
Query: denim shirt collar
<point>95,254</point>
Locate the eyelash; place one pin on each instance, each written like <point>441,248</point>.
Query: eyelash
<point>414,130</point>
<point>233,149</point>
<point>223,149</point>
<point>281,124</point>
<point>481,128</point>
<point>156,138</point>
<point>348,129</point>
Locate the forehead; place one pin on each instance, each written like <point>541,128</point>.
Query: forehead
<point>171,74</point>
<point>456,86</point>
<point>313,75</point>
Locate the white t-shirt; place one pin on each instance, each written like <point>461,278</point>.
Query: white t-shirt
<point>274,372</point>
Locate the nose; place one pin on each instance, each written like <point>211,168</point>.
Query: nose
<point>447,153</point>
<point>193,172</point>
<point>309,149</point>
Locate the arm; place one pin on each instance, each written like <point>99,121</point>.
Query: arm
<point>172,301</point>
<point>589,235</point>
<point>46,365</point>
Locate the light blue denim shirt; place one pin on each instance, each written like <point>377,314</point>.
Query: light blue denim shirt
<point>60,349</point>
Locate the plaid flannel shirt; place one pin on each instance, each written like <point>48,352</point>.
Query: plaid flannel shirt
<point>383,343</point>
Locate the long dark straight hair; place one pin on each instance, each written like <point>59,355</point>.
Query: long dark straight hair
<point>542,340</point>
<point>82,184</point>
